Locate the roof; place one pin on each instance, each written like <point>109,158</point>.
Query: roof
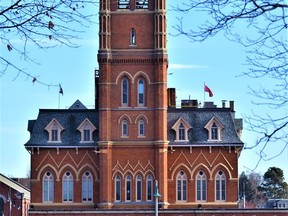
<point>198,118</point>
<point>70,119</point>
<point>15,185</point>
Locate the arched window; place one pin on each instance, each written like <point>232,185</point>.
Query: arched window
<point>125,92</point>
<point>67,187</point>
<point>220,186</point>
<point>117,188</point>
<point>125,130</point>
<point>48,187</point>
<point>149,187</point>
<point>181,186</point>
<point>214,132</point>
<point>138,188</point>
<point>141,128</point>
<point>133,37</point>
<point>128,188</point>
<point>201,186</point>
<point>141,92</point>
<point>87,187</point>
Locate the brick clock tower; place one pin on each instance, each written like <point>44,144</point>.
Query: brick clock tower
<point>132,86</point>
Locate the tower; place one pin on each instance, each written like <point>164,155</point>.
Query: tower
<point>132,87</point>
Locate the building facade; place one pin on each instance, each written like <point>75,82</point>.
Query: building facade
<point>105,160</point>
<point>14,197</point>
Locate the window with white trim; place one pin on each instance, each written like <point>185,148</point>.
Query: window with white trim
<point>220,186</point>
<point>87,187</point>
<point>86,128</point>
<point>201,187</point>
<point>48,187</point>
<point>181,127</point>
<point>128,188</point>
<point>125,129</point>
<point>67,187</point>
<point>181,187</point>
<point>141,128</point>
<point>149,186</point>
<point>117,188</point>
<point>141,90</point>
<point>54,129</point>
<point>138,188</point>
<point>214,128</point>
<point>124,92</point>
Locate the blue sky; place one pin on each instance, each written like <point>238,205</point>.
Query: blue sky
<point>218,62</point>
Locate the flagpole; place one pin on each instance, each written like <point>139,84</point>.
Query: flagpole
<point>204,94</point>
<point>58,100</point>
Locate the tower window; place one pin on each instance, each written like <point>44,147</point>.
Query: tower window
<point>125,95</point>
<point>133,37</point>
<point>141,128</point>
<point>141,92</point>
<point>123,4</point>
<point>142,4</point>
<point>124,128</point>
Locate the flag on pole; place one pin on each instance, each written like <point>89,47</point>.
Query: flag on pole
<point>207,89</point>
<point>60,90</point>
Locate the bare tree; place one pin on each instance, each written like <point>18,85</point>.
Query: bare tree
<point>265,40</point>
<point>42,23</point>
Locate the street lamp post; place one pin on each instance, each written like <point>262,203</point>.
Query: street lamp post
<point>156,195</point>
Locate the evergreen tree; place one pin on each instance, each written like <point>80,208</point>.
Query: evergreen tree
<point>273,185</point>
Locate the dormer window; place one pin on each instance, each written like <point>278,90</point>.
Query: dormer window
<point>214,128</point>
<point>181,127</point>
<point>86,128</point>
<point>54,129</point>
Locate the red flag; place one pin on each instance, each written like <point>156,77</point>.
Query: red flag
<point>206,89</point>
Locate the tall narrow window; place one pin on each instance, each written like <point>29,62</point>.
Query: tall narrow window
<point>133,37</point>
<point>128,188</point>
<point>48,187</point>
<point>125,128</point>
<point>67,187</point>
<point>141,92</point>
<point>201,186</point>
<point>54,132</point>
<point>117,188</point>
<point>141,127</point>
<point>87,187</point>
<point>125,96</point>
<point>214,132</point>
<point>181,132</point>
<point>149,187</point>
<point>86,134</point>
<point>138,188</point>
<point>181,186</point>
<point>220,186</point>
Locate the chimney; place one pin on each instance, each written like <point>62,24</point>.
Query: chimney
<point>224,103</point>
<point>232,106</point>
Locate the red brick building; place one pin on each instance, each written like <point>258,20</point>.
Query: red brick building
<point>14,197</point>
<point>105,161</point>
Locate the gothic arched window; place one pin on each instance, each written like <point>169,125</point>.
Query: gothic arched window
<point>48,187</point>
<point>141,89</point>
<point>67,187</point>
<point>220,186</point>
<point>181,186</point>
<point>87,187</point>
<point>201,186</point>
<point>125,92</point>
